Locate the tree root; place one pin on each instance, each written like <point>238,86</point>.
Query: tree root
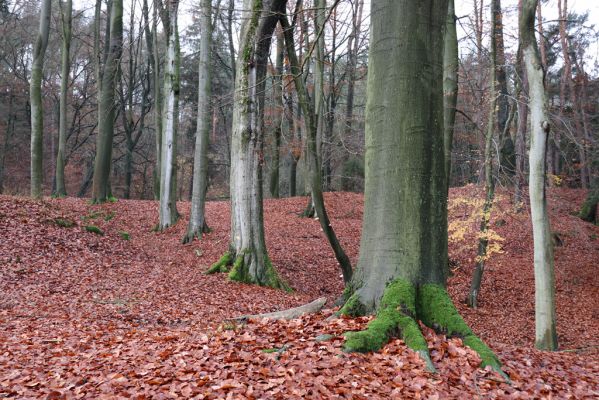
<point>290,313</point>
<point>190,235</point>
<point>239,271</point>
<point>401,306</point>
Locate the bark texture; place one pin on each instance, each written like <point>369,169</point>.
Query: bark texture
<point>403,250</point>
<point>67,17</point>
<point>170,122</point>
<point>35,95</point>
<point>450,85</point>
<point>545,325</point>
<point>197,220</point>
<point>248,254</point>
<point>107,106</point>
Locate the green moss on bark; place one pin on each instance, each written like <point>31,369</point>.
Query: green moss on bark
<point>395,315</point>
<point>221,265</point>
<point>240,273</point>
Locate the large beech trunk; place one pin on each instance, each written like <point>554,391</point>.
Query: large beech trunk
<point>35,94</point>
<point>247,248</point>
<point>403,250</point>
<point>545,336</point>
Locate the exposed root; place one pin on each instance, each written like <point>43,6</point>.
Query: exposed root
<point>222,265</point>
<point>291,313</point>
<point>241,273</point>
<point>196,233</point>
<point>401,306</point>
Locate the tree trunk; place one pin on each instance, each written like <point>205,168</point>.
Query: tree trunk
<point>483,241</point>
<point>521,90</point>
<point>545,331</point>
<point>197,220</point>
<point>158,99</point>
<point>35,95</point>
<point>247,249</point>
<point>310,119</point>
<point>107,107</point>
<point>507,155</point>
<point>450,86</point>
<point>403,251</point>
<point>10,129</point>
<point>170,121</point>
<point>278,118</point>
<point>67,17</point>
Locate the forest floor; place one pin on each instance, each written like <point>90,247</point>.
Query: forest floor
<point>130,313</point>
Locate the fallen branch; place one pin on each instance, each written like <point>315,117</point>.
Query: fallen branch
<point>290,313</point>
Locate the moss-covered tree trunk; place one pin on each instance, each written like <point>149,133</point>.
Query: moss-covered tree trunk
<point>247,249</point>
<point>67,17</point>
<point>170,121</point>
<point>107,106</point>
<point>450,85</point>
<point>403,250</point>
<point>545,320</point>
<point>35,96</point>
<point>197,219</point>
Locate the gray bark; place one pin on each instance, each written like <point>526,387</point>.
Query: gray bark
<point>170,121</point>
<point>35,94</point>
<point>107,106</point>
<point>405,216</point>
<point>450,85</point>
<point>197,220</point>
<point>278,118</point>
<point>67,16</point>
<point>545,318</point>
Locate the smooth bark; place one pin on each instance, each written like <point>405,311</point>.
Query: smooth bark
<point>197,220</point>
<point>35,95</point>
<point>545,317</point>
<point>450,86</point>
<point>107,106</point>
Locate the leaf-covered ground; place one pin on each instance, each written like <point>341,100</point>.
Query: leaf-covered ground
<point>129,313</point>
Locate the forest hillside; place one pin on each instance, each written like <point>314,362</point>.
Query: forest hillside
<point>96,304</point>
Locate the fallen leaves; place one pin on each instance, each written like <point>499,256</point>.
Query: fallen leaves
<point>89,316</point>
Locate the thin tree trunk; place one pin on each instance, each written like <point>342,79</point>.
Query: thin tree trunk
<point>168,187</point>
<point>158,99</point>
<point>521,91</point>
<point>197,220</point>
<point>35,95</point>
<point>10,129</point>
<point>107,107</point>
<point>278,119</point>
<point>315,174</point>
<point>483,240</point>
<point>450,86</point>
<point>507,156</point>
<point>545,330</point>
<point>67,17</point>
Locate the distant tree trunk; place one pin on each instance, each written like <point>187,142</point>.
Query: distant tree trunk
<point>35,95</point>
<point>450,86</point>
<point>107,107</point>
<point>170,121</point>
<point>197,220</point>
<point>332,104</point>
<point>310,119</point>
<point>158,99</point>
<point>403,251</point>
<point>10,129</point>
<point>230,37</point>
<point>67,16</point>
<point>483,240</point>
<point>247,249</point>
<point>521,91</point>
<point>545,336</point>
<point>352,61</point>
<point>507,155</point>
<point>278,118</point>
